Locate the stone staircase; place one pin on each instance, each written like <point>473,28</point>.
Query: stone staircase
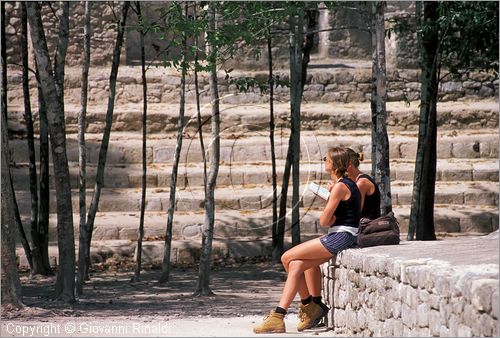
<point>467,171</point>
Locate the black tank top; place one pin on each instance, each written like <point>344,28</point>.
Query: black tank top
<point>371,207</point>
<point>349,212</point>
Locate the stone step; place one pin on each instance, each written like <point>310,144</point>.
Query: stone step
<point>163,118</point>
<point>126,148</point>
<point>346,82</point>
<point>158,175</point>
<point>259,197</point>
<point>184,252</point>
<point>256,225</point>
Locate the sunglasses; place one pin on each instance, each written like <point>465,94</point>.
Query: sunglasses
<point>324,159</point>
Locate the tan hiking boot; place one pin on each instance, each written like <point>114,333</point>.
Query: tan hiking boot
<point>310,315</point>
<point>273,323</point>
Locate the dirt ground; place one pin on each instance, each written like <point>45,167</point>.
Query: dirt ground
<point>113,306</point>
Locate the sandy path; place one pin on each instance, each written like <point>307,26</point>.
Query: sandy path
<point>112,306</point>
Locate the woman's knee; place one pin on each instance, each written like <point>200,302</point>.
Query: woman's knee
<point>285,259</point>
<point>295,267</point>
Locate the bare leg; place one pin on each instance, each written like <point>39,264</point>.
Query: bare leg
<point>302,288</point>
<point>305,256</point>
<point>313,281</point>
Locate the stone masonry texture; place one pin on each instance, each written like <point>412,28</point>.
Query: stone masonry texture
<point>437,288</point>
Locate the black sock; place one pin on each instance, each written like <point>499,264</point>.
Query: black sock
<point>317,299</point>
<point>307,300</point>
<point>280,310</point>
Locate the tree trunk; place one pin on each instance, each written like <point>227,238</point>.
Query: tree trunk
<point>297,82</point>
<point>44,212</point>
<point>203,287</point>
<point>382,168</point>
<point>373,96</point>
<point>38,267</point>
<point>422,208</point>
<point>280,229</point>
<point>137,273</point>
<point>165,273</point>
<point>198,114</point>
<point>296,73</point>
<point>99,181</point>
<point>82,153</point>
<point>271,139</point>
<point>66,274</point>
<point>11,286</point>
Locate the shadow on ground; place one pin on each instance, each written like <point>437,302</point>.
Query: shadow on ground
<point>240,290</point>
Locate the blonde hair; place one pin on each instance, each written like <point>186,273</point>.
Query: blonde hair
<point>340,161</point>
<point>354,157</point>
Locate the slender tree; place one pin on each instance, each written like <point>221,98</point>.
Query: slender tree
<point>11,286</point>
<point>462,37</point>
<point>203,287</point>
<point>66,275</point>
<point>380,139</point>
<point>425,164</point>
<point>198,108</point>
<point>295,48</point>
<point>44,205</point>
<point>299,60</point>
<point>271,140</point>
<point>165,273</point>
<point>82,153</point>
<point>99,181</point>
<point>137,273</point>
<point>38,266</point>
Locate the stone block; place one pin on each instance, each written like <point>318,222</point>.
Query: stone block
<point>129,233</point>
<point>153,204</point>
<point>423,315</point>
<point>135,180</point>
<point>444,332</point>
<point>191,230</point>
<point>434,322</point>
<point>494,304</point>
<point>470,315</point>
<point>408,315</point>
<point>456,174</point>
<point>397,328</point>
<point>464,331</point>
<point>105,233</point>
<point>481,198</point>
<point>444,311</point>
<point>489,149</point>
<point>482,291</point>
<point>444,149</point>
<point>250,203</point>
<point>163,155</point>
<point>477,223</point>
<point>485,174</point>
<point>466,150</point>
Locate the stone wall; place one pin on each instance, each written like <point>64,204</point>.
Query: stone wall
<point>402,291</point>
<point>349,37</point>
<point>102,39</point>
<point>325,85</point>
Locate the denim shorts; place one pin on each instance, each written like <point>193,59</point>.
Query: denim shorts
<point>337,241</point>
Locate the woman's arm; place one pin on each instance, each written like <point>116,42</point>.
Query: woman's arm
<point>338,193</point>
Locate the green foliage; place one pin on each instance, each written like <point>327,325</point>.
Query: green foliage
<point>469,35</point>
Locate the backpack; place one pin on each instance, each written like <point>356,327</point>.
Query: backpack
<point>380,231</point>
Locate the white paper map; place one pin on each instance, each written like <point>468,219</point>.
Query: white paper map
<point>319,191</point>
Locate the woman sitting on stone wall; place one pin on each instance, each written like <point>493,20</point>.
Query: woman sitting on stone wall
<point>342,215</point>
<point>370,194</point>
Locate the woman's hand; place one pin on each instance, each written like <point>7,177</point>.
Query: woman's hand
<point>330,185</point>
